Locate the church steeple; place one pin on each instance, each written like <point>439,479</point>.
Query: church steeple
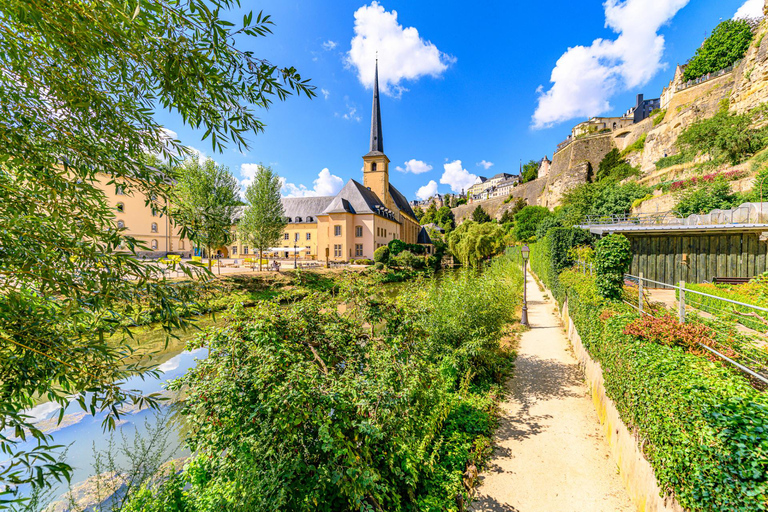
<point>376,163</point>
<point>377,141</point>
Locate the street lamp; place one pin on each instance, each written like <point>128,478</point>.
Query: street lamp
<point>294,256</point>
<point>524,317</point>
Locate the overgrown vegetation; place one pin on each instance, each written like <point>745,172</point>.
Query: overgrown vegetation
<point>707,196</point>
<point>530,171</point>
<point>384,407</point>
<point>472,243</point>
<point>704,429</point>
<point>599,199</point>
<point>612,258</point>
<point>728,43</point>
<point>669,161</point>
<point>635,147</point>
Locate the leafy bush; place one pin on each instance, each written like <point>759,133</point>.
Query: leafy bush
<point>667,330</point>
<point>669,161</point>
<point>636,146</point>
<point>381,255</point>
<point>658,116</point>
<point>397,246</point>
<point>362,262</point>
<point>305,409</point>
<point>379,265</point>
<point>728,43</point>
<point>407,259</point>
<point>600,199</point>
<point>735,174</point>
<point>612,258</point>
<point>724,137</point>
<point>705,197</point>
<point>547,223</point>
<point>704,429</point>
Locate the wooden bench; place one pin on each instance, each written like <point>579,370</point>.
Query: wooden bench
<point>730,280</point>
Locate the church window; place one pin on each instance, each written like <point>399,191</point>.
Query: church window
<point>358,231</point>
<point>358,249</point>
<point>373,166</point>
<point>337,230</point>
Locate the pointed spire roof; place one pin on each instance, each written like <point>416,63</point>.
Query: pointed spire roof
<point>377,141</point>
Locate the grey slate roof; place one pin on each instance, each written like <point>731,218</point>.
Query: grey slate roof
<point>400,201</point>
<point>502,175</point>
<point>305,207</point>
<point>377,138</point>
<point>424,237</point>
<point>353,198</point>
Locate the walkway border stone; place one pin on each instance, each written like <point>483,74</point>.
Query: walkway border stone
<point>636,472</point>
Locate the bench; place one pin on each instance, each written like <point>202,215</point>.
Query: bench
<point>730,280</point>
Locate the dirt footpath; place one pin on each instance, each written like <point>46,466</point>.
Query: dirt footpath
<point>550,455</point>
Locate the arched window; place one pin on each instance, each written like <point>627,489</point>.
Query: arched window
<point>120,224</point>
<point>288,219</point>
<point>154,227</point>
<point>309,219</point>
<point>373,166</point>
<point>181,245</point>
<point>120,207</point>
<point>298,219</point>
<point>120,190</point>
<point>154,245</point>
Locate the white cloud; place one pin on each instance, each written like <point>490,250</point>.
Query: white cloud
<point>427,191</point>
<point>586,77</point>
<point>330,45</point>
<point>415,166</point>
<point>325,93</point>
<point>751,9</point>
<point>402,53</point>
<point>201,156</point>
<point>485,164</point>
<point>248,173</point>
<point>326,184</point>
<point>351,114</point>
<point>457,177</point>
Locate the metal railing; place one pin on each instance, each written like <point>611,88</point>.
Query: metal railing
<point>635,219</point>
<point>707,77</point>
<point>758,371</point>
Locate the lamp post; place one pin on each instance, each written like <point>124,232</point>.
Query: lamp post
<point>524,317</point>
<point>294,256</point>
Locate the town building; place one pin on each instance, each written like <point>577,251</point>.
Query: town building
<point>355,222</point>
<point>544,167</point>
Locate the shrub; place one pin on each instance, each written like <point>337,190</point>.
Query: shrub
<point>666,330</point>
<point>379,265</point>
<point>547,223</point>
<point>705,197</point>
<point>363,262</point>
<point>407,259</point>
<point>724,137</point>
<point>396,247</point>
<point>480,216</point>
<point>381,255</point>
<point>669,161</point>
<point>658,116</point>
<point>636,146</point>
<point>612,259</point>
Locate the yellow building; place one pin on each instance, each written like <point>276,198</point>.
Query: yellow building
<point>143,222</point>
<point>356,221</point>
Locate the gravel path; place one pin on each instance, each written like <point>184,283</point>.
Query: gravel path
<point>550,454</point>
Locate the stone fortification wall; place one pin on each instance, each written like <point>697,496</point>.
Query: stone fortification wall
<point>699,101</point>
<point>574,165</point>
<point>750,77</point>
<point>495,207</point>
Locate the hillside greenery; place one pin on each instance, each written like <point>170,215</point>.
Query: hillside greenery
<point>728,43</point>
<point>382,407</point>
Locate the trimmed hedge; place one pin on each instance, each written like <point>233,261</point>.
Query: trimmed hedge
<point>703,428</point>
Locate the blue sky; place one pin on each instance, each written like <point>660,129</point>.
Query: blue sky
<point>464,87</point>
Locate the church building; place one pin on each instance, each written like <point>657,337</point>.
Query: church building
<point>358,220</point>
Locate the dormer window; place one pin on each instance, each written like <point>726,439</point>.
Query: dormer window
<point>288,219</point>
<point>309,219</point>
<point>298,219</point>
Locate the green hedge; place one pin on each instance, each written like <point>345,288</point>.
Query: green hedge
<point>703,428</point>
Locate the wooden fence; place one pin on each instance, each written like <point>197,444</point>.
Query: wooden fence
<point>695,258</point>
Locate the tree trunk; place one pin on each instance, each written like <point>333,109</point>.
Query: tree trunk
<point>261,255</point>
<point>210,261</point>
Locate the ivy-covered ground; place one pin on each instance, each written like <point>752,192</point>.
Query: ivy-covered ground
<point>703,427</point>
<point>386,404</point>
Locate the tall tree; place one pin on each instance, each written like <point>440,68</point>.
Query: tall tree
<point>480,216</point>
<point>206,199</point>
<point>263,220</point>
<point>530,171</point>
<point>80,83</point>
<point>728,43</point>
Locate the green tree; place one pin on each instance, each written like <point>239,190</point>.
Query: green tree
<point>614,167</point>
<point>527,220</point>
<point>480,216</point>
<point>613,256</point>
<point>604,198</point>
<point>728,43</point>
<point>263,220</point>
<point>429,214</point>
<point>419,213</point>
<point>445,219</point>
<point>80,85</point>
<point>530,171</point>
<point>472,242</point>
<point>206,199</point>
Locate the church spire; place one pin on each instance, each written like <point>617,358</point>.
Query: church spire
<point>377,141</point>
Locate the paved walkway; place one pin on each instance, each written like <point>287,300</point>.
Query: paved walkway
<point>551,455</point>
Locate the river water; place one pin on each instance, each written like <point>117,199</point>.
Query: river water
<point>82,433</point>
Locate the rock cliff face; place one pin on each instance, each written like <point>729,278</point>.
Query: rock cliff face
<point>751,77</point>
<point>495,207</point>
